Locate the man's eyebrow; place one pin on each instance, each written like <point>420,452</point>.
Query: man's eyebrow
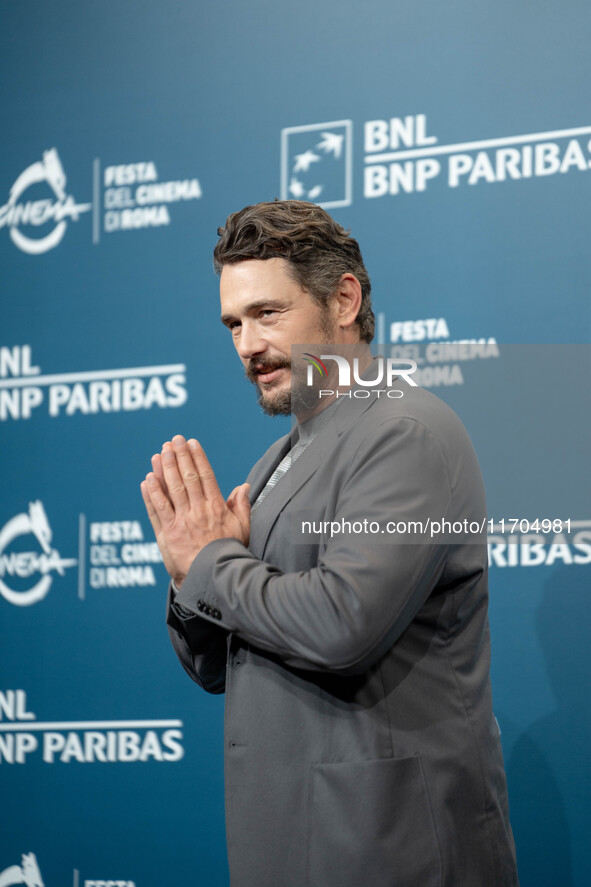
<point>252,307</point>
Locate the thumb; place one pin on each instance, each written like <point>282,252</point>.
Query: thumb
<point>242,504</point>
<point>232,498</point>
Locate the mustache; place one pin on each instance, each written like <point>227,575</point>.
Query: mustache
<point>258,365</point>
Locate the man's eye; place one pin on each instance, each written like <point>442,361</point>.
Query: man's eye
<point>267,311</point>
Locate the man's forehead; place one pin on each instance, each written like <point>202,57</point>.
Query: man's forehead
<point>255,270</point>
<point>246,285</point>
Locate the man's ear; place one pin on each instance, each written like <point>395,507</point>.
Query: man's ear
<point>347,301</point>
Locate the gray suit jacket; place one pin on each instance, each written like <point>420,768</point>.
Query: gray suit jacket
<point>361,747</point>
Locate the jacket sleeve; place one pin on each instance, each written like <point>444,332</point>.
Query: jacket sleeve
<point>201,647</point>
<point>347,611</point>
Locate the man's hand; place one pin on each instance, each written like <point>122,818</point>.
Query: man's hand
<point>186,508</point>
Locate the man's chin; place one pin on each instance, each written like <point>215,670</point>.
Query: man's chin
<point>284,402</point>
<point>276,403</point>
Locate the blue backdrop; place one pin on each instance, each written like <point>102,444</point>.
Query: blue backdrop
<point>455,141</point>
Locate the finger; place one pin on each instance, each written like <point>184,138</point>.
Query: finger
<point>157,469</point>
<point>160,503</point>
<point>231,500</point>
<point>152,513</point>
<point>188,471</point>
<point>154,519</point>
<point>242,506</point>
<point>208,480</point>
<point>173,480</point>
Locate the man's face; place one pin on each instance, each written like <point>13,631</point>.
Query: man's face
<point>267,312</point>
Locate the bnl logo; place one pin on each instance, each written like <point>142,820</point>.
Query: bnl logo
<point>317,163</point>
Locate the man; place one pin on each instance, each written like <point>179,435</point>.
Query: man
<point>360,742</point>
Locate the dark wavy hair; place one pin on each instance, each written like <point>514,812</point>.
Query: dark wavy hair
<point>318,249</point>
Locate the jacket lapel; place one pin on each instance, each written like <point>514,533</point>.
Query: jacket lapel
<point>286,488</point>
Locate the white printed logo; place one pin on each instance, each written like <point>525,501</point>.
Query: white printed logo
<point>402,156</point>
<point>23,387</point>
<point>134,197</point>
<point>27,873</point>
<point>316,163</point>
<point>86,742</point>
<point>35,213</point>
<point>539,543</point>
<point>25,564</point>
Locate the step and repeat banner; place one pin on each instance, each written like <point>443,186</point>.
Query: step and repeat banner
<point>455,141</point>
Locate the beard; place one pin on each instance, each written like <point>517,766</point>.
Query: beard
<point>273,403</point>
<point>298,398</point>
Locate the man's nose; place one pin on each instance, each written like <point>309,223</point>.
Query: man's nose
<point>250,342</point>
